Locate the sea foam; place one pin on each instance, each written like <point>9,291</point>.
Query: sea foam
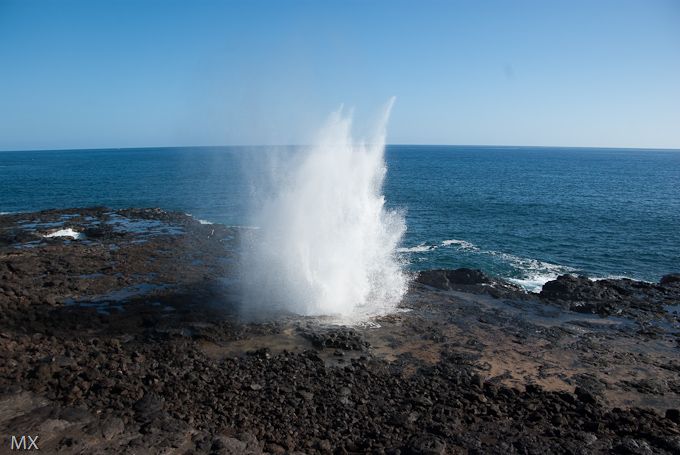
<point>66,233</point>
<point>416,249</point>
<point>530,274</point>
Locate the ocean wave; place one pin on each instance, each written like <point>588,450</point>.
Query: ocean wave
<point>462,244</point>
<point>530,274</point>
<point>533,273</point>
<point>533,283</point>
<point>424,247</point>
<point>416,249</point>
<point>618,277</point>
<point>533,265</point>
<point>198,219</point>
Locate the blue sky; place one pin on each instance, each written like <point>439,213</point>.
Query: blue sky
<point>80,74</point>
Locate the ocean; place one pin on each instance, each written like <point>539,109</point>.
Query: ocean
<point>526,214</point>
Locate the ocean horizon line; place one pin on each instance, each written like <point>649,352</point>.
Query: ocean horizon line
<point>480,146</point>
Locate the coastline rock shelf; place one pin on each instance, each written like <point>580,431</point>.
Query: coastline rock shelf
<point>120,332</point>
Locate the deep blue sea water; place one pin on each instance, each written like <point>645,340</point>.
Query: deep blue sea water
<point>523,213</point>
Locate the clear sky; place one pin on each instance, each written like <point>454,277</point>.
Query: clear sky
<point>81,74</point>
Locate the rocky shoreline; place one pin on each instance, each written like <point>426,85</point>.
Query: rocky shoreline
<point>122,334</point>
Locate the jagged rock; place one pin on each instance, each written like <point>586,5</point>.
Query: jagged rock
<point>469,280</point>
<point>346,339</point>
<point>579,288</point>
<point>610,296</point>
<point>174,370</point>
<point>585,395</point>
<point>673,414</point>
<point>444,279</point>
<point>148,406</point>
<point>112,428</point>
<point>427,445</point>
<point>670,279</point>
<point>223,445</point>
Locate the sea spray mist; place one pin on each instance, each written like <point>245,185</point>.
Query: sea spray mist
<point>326,244</point>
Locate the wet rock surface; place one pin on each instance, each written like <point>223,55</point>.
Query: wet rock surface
<point>623,296</point>
<point>469,280</point>
<point>129,339</point>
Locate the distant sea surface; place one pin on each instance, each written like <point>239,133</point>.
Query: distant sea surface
<point>523,213</point>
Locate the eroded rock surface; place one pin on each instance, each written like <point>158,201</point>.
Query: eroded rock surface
<point>129,339</point>
<point>613,296</point>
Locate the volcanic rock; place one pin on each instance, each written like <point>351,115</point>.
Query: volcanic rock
<point>469,280</point>
<point>670,279</point>
<point>610,296</point>
<point>129,341</point>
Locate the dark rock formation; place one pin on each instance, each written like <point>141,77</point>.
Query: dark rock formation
<point>469,280</point>
<point>612,296</point>
<point>345,339</point>
<point>671,279</point>
<point>447,279</point>
<point>128,341</point>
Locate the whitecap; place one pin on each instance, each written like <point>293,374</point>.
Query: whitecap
<point>462,244</point>
<point>533,283</point>
<point>612,277</point>
<point>416,249</point>
<point>534,273</point>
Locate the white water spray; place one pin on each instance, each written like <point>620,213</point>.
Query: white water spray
<point>326,243</point>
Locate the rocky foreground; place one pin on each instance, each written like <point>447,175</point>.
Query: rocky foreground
<point>121,333</point>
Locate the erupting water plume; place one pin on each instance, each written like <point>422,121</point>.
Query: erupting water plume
<point>326,243</point>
